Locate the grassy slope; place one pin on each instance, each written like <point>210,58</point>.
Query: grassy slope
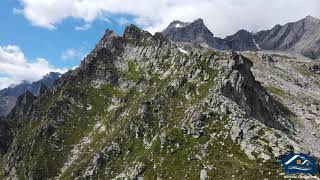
<point>48,155</point>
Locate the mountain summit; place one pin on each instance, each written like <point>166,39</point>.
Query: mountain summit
<point>300,37</point>
<point>197,32</point>
<point>194,32</point>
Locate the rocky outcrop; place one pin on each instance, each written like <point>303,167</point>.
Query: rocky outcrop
<point>268,58</point>
<point>314,69</point>
<point>291,82</point>
<point>194,124</point>
<point>241,86</point>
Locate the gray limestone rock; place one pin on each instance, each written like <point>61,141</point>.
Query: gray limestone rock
<point>302,37</point>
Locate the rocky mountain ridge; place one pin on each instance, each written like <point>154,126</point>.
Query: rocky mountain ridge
<point>292,81</point>
<point>300,37</point>
<point>194,32</point>
<point>141,106</point>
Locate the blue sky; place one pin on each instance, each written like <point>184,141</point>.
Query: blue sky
<point>38,42</point>
<point>39,36</point>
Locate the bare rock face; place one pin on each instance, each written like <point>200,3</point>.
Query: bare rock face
<point>302,37</point>
<point>194,124</point>
<point>241,86</point>
<point>196,32</point>
<point>267,58</point>
<point>291,80</point>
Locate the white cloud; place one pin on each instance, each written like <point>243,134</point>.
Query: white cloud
<point>73,54</point>
<point>6,82</point>
<point>83,28</point>
<point>223,17</point>
<point>69,54</point>
<point>15,67</point>
<point>122,21</point>
<point>105,19</point>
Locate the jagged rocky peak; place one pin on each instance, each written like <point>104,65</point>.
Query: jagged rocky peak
<point>310,24</point>
<point>132,32</point>
<point>110,33</point>
<point>177,24</point>
<point>99,65</point>
<point>52,75</point>
<point>301,37</point>
<point>194,32</point>
<point>107,39</point>
<point>197,23</point>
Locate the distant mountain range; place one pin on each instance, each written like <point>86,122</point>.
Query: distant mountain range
<point>8,96</point>
<point>301,37</point>
<point>197,32</point>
